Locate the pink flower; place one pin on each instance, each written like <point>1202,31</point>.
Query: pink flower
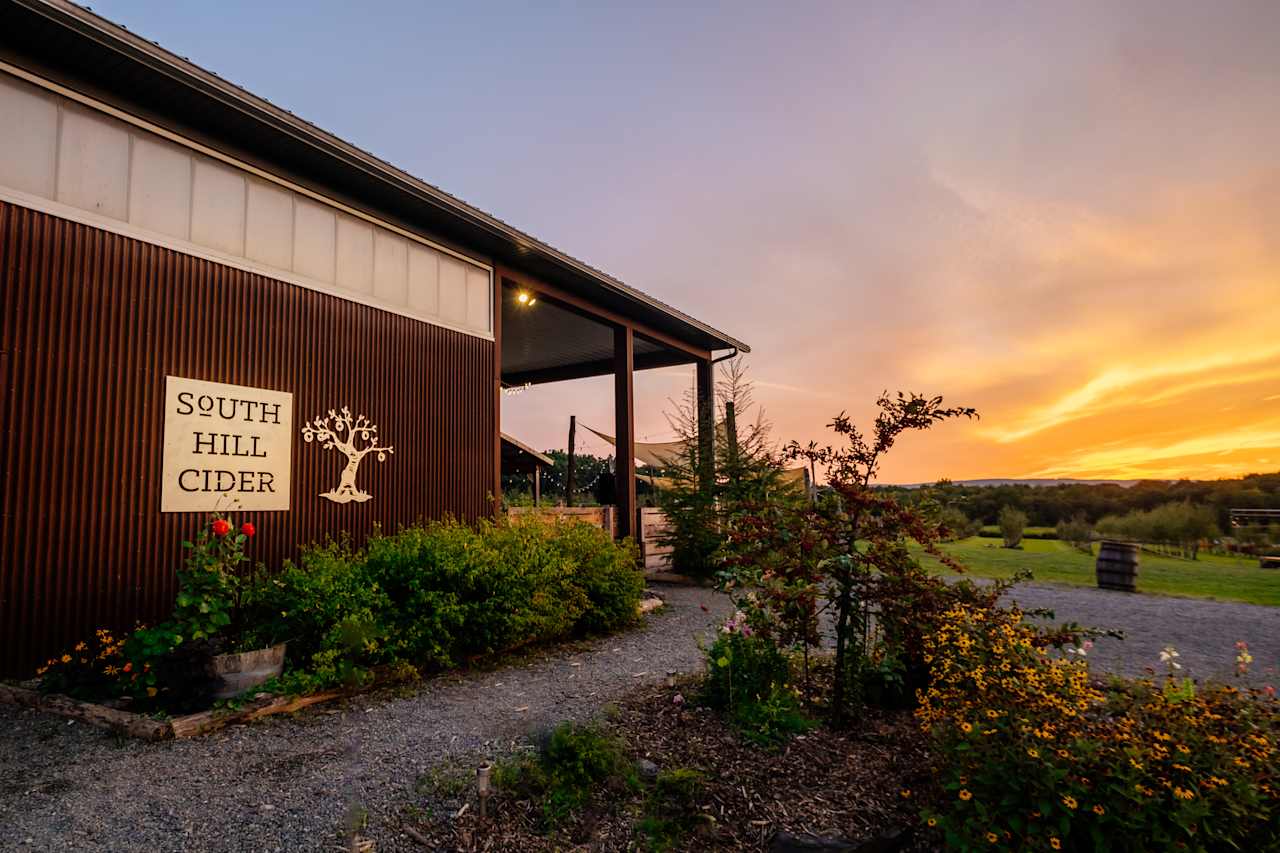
<point>677,699</point>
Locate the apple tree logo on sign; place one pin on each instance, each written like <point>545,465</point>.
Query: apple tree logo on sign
<point>356,438</point>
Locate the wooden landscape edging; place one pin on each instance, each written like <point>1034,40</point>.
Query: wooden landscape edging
<point>148,728</point>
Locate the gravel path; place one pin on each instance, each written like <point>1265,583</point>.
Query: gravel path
<point>1203,631</point>
<point>290,783</point>
<point>294,783</point>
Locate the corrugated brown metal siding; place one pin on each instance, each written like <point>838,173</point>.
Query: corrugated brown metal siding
<point>92,323</point>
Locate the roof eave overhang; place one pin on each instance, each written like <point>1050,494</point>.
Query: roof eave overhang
<point>508,243</point>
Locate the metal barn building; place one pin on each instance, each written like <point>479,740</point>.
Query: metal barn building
<point>207,302</point>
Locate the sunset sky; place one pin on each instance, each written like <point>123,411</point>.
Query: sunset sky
<point>1064,214</point>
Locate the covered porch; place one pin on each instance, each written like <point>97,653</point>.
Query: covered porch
<point>552,333</point>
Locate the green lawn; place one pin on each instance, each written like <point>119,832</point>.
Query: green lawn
<point>1227,578</point>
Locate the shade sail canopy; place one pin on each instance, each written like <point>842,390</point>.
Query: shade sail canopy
<point>520,458</point>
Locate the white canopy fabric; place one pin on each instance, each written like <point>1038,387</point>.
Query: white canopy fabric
<point>659,454</point>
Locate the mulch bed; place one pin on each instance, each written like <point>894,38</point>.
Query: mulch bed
<point>845,785</point>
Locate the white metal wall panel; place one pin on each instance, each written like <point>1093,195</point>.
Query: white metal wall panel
<point>390,269</point>
<point>218,207</point>
<point>424,280</point>
<point>68,155</point>
<point>93,163</point>
<point>268,234</point>
<point>453,291</point>
<point>160,188</point>
<point>355,254</point>
<point>478,294</point>
<point>315,230</point>
<point>28,140</point>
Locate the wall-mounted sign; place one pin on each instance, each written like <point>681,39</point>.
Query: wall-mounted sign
<point>225,447</point>
<point>355,438</point>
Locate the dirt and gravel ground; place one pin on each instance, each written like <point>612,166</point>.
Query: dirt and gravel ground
<point>1203,632</point>
<point>297,783</point>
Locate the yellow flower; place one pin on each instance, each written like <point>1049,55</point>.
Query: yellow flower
<point>1069,802</point>
<point>1033,752</point>
<point>1054,842</point>
<point>151,691</point>
<point>1183,794</point>
<point>1099,810</point>
<point>965,795</point>
<point>932,821</point>
<point>80,646</point>
<point>992,838</point>
<point>906,793</point>
<point>966,727</point>
<point>66,658</point>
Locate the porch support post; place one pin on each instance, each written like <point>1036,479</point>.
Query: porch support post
<point>706,426</point>
<point>624,426</point>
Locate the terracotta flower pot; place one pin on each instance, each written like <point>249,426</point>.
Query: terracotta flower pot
<point>243,671</point>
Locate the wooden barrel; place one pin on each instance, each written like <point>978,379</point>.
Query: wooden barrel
<point>1269,562</point>
<point>1117,566</point>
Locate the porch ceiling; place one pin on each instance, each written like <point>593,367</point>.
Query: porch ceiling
<point>545,342</point>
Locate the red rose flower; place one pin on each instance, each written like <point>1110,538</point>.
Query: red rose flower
<point>248,529</point>
<point>221,527</point>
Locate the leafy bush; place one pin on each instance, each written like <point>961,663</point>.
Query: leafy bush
<point>671,808</point>
<point>329,610</point>
<point>427,597</point>
<point>431,596</point>
<point>956,525</point>
<point>606,572</point>
<point>748,678</point>
<point>742,667</point>
<point>1012,523</point>
<point>1179,527</point>
<point>1077,531</point>
<point>1036,755</point>
<point>570,764</point>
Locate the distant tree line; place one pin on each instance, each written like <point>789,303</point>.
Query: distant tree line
<point>1046,506</point>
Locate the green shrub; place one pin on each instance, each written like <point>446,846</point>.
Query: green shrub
<point>606,572</point>
<point>430,596</point>
<point>742,668</point>
<point>1012,522</point>
<point>671,808</point>
<point>420,569</point>
<point>574,760</point>
<point>748,678</point>
<point>329,611</point>
<point>773,719</point>
<point>529,594</point>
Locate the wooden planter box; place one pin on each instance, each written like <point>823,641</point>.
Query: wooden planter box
<point>149,728</point>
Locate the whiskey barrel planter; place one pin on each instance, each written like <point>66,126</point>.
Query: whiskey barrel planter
<point>243,671</point>
<point>1117,566</point>
<point>1269,562</point>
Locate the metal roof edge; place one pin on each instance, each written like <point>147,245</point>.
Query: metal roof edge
<point>119,38</point>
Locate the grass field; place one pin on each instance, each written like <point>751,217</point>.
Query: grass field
<point>1226,578</point>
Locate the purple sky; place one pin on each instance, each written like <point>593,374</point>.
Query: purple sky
<point>1064,214</point>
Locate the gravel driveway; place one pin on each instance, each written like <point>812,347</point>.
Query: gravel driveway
<point>292,783</point>
<point>1203,631</point>
<point>295,783</point>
